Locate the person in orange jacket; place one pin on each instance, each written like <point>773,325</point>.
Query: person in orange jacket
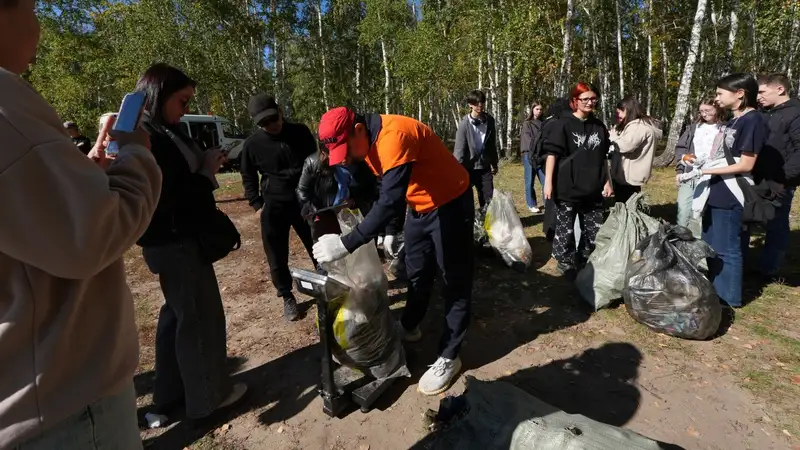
<point>417,170</point>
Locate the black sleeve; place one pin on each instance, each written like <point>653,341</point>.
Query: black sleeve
<point>85,146</point>
<point>305,189</point>
<point>391,204</point>
<point>491,143</point>
<point>554,140</point>
<point>791,167</point>
<point>682,148</point>
<point>250,179</point>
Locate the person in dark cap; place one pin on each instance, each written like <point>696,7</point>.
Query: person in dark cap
<point>82,142</point>
<point>271,164</point>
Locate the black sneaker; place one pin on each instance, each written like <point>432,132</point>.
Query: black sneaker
<point>290,311</point>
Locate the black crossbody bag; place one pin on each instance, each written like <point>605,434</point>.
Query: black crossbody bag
<point>760,203</point>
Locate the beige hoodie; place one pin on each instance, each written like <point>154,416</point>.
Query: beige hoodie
<point>637,147</point>
<point>67,331</point>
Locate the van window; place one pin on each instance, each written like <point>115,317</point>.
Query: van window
<point>230,131</point>
<point>205,134</point>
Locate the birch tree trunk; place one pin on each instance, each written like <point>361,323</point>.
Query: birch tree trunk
<point>665,79</point>
<point>734,27</point>
<point>509,105</point>
<point>649,56</point>
<point>358,72</point>
<point>322,54</point>
<point>480,74</point>
<point>386,77</point>
<point>682,103</point>
<point>619,52</point>
<point>788,61</point>
<point>566,61</point>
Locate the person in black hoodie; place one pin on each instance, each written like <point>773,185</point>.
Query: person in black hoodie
<point>779,163</point>
<point>276,152</point>
<point>191,354</point>
<point>576,177</point>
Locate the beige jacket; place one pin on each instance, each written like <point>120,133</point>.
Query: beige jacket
<point>67,331</point>
<point>636,146</point>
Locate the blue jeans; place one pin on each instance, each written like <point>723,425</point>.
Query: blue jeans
<point>108,424</point>
<point>722,230</point>
<point>777,237</point>
<point>530,192</point>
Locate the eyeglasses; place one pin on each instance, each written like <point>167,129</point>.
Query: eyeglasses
<point>588,100</point>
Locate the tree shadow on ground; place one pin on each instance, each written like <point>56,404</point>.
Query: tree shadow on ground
<point>278,383</point>
<point>599,383</point>
<point>509,310</point>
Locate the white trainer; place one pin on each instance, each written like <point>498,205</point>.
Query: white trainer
<point>439,376</point>
<point>535,209</point>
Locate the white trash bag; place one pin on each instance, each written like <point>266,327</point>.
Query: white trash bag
<point>506,234</point>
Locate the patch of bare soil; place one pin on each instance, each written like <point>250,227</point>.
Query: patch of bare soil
<point>530,330</point>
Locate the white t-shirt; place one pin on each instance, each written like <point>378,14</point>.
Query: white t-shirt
<point>480,135</point>
<point>704,139</point>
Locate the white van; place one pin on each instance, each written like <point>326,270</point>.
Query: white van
<point>215,131</point>
<point>211,131</point>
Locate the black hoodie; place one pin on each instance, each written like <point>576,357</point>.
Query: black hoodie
<point>581,148</point>
<point>779,160</point>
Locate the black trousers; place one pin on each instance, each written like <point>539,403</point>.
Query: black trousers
<point>483,181</point>
<point>277,217</point>
<point>622,192</point>
<point>441,239</point>
<point>590,216</point>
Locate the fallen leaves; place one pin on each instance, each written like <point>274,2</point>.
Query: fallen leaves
<point>691,431</point>
<point>796,379</point>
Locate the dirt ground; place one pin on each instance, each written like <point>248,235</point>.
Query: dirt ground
<point>738,391</point>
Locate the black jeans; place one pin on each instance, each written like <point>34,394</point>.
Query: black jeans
<point>191,341</point>
<point>442,238</point>
<point>277,217</point>
<point>483,181</point>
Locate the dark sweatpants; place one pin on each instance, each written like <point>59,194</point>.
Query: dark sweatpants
<point>441,238</point>
<point>276,219</point>
<point>483,181</point>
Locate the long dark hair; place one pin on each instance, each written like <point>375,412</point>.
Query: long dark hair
<point>534,104</point>
<point>159,82</point>
<point>745,82</point>
<point>633,111</point>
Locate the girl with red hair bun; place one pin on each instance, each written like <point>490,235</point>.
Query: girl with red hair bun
<point>577,177</point>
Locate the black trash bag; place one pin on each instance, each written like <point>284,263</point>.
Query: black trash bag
<point>665,289</point>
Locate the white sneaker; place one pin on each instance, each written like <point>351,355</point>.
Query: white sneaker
<point>380,241</point>
<point>410,336</point>
<point>237,392</point>
<point>439,376</point>
<point>535,209</point>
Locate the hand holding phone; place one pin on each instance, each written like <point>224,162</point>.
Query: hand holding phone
<point>127,121</point>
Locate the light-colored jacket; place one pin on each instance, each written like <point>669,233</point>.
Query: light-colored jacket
<point>636,147</point>
<point>67,330</point>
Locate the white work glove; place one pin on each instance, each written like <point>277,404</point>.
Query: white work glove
<point>684,177</point>
<point>329,248</point>
<point>392,245</point>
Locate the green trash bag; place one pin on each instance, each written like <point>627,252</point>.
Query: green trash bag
<point>602,280</point>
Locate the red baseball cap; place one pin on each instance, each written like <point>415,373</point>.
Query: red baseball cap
<point>334,130</point>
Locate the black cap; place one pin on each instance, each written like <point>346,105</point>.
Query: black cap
<point>262,106</point>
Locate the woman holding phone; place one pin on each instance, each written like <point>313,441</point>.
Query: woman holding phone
<point>191,355</point>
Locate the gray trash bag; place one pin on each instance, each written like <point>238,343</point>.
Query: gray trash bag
<point>495,415</point>
<point>665,289</point>
<point>366,337</point>
<point>603,278</point>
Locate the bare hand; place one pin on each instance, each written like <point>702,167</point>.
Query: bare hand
<point>98,152</point>
<point>214,159</point>
<point>547,191</point>
<point>678,180</point>
<point>608,191</point>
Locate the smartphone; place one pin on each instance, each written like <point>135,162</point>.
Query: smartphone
<point>130,113</point>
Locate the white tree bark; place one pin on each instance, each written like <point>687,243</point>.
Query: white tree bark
<point>419,110</point>
<point>323,50</point>
<point>386,77</point>
<point>789,59</point>
<point>480,74</point>
<point>619,52</point>
<point>566,60</point>
<point>682,103</point>
<point>509,104</point>
<point>665,79</point>
<point>358,71</point>
<point>734,27</point>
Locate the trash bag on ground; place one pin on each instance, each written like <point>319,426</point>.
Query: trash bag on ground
<point>495,415</point>
<point>506,234</point>
<point>665,289</point>
<point>602,280</point>
<point>366,336</point>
